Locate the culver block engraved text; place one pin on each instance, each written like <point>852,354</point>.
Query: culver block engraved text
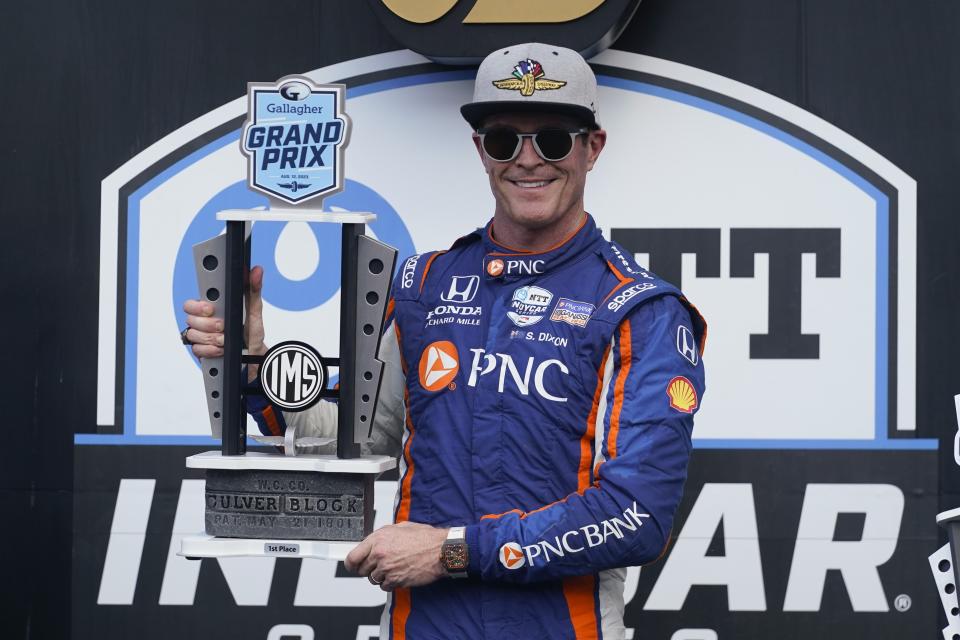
<point>244,502</point>
<point>288,505</point>
<point>323,505</point>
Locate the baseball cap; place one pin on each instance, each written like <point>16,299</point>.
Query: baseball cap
<point>534,77</point>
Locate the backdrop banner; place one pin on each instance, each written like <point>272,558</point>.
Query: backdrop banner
<point>754,553</point>
<point>811,501</point>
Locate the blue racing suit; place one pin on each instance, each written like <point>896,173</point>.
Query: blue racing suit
<point>545,401</point>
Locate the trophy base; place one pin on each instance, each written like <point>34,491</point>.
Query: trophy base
<point>204,546</point>
<point>270,497</point>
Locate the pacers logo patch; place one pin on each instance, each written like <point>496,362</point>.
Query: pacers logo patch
<point>682,395</point>
<point>439,364</point>
<point>511,556</point>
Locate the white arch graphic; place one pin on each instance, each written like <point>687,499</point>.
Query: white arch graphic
<point>904,185</point>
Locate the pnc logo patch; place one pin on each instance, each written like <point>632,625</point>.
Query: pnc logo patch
<point>511,556</point>
<point>528,77</point>
<point>683,397</point>
<point>439,365</point>
<point>495,267</point>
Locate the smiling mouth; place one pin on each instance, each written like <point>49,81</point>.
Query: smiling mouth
<point>531,184</point>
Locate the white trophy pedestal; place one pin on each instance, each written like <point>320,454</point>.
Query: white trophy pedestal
<point>255,460</point>
<point>207,546</point>
<point>204,546</point>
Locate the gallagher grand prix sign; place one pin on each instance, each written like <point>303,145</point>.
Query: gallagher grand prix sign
<point>294,139</point>
<point>464,31</point>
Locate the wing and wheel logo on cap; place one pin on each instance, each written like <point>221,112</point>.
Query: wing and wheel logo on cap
<point>527,78</point>
<point>439,365</point>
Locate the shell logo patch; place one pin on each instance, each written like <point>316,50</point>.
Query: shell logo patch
<point>528,77</point>
<point>511,556</point>
<point>439,365</point>
<point>683,397</point>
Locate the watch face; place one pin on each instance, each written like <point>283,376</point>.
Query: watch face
<point>454,557</point>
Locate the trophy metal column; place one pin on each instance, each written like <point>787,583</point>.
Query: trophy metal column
<point>291,503</point>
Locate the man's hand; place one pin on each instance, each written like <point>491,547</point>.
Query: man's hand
<point>400,555</point>
<point>206,332</point>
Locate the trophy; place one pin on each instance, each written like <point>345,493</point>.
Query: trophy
<point>291,502</point>
<point>945,561</point>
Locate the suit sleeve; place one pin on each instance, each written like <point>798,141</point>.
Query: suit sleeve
<point>624,518</point>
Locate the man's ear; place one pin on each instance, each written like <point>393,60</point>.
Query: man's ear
<point>478,145</point>
<point>596,140</point>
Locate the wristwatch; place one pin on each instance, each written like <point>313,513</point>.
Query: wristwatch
<point>453,553</point>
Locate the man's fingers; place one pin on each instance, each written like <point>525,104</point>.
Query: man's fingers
<point>206,351</point>
<point>198,308</point>
<point>356,557</point>
<point>369,567</point>
<point>205,325</point>
<point>200,337</point>
<point>256,279</point>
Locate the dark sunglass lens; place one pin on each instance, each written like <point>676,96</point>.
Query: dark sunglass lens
<point>554,143</point>
<point>500,143</point>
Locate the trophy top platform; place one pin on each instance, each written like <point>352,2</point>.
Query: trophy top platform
<point>946,517</point>
<point>279,214</point>
<point>255,460</point>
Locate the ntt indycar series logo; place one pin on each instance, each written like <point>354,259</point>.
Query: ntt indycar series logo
<point>528,305</point>
<point>294,138</point>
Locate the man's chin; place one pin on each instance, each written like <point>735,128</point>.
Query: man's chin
<point>534,219</point>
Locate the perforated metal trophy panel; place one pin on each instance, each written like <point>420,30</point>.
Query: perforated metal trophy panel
<point>941,564</point>
<point>209,262</point>
<point>375,264</point>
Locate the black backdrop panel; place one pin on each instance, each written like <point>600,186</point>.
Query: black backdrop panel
<point>779,501</point>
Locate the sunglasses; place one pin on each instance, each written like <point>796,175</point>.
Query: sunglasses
<point>553,144</point>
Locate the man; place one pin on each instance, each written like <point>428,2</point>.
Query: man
<point>543,385</point>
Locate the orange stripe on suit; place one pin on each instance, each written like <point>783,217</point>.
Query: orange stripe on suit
<point>581,600</point>
<point>586,443</point>
<point>625,354</point>
<point>401,596</point>
<point>271,419</point>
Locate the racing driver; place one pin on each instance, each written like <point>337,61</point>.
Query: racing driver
<point>540,388</point>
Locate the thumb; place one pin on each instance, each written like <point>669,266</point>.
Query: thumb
<point>255,301</point>
<point>253,327</point>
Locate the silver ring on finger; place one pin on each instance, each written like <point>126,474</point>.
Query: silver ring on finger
<point>374,581</point>
<point>183,337</point>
